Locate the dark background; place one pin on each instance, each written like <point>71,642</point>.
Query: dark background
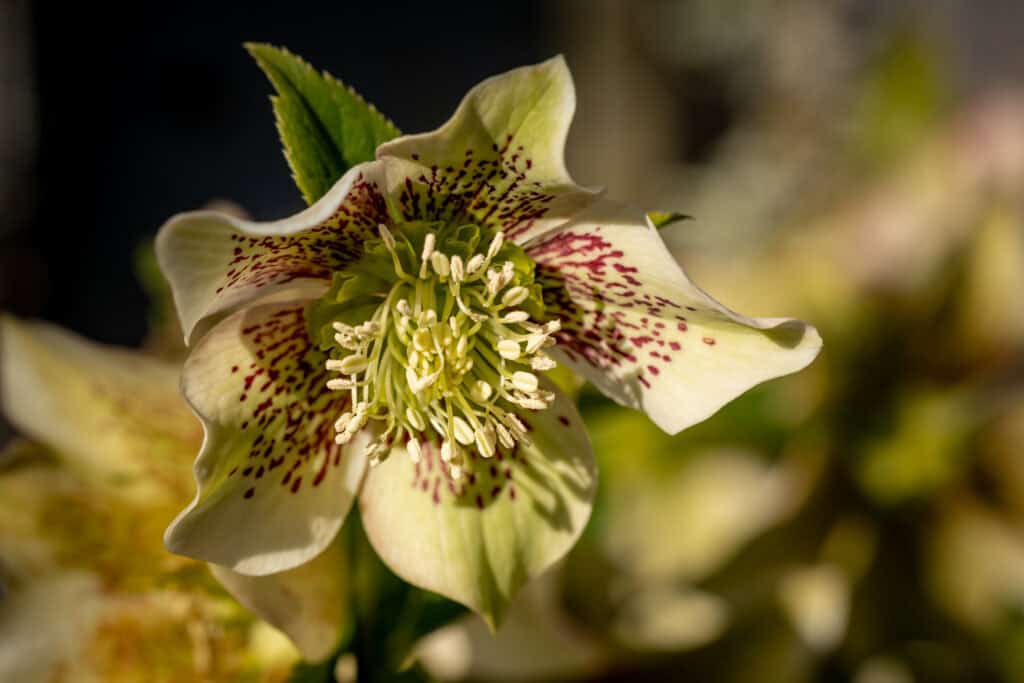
<point>111,121</point>
<point>145,111</point>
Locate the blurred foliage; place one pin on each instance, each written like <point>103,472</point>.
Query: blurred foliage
<point>864,519</point>
<point>860,521</point>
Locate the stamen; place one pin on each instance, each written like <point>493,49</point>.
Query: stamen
<point>446,357</point>
<point>516,317</point>
<point>462,431</point>
<point>458,273</point>
<point>496,244</point>
<point>414,450</point>
<point>515,296</point>
<point>387,237</point>
<point>354,364</point>
<point>508,348</point>
<point>524,381</point>
<point>440,263</point>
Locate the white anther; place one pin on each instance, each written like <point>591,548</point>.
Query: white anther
<point>333,364</point>
<point>455,471</point>
<point>449,451</point>
<point>414,450</point>
<point>530,403</point>
<point>437,423</point>
<point>524,381</point>
<point>458,271</point>
<point>346,341</point>
<point>376,452</point>
<point>404,308</point>
<point>516,425</point>
<point>496,244</point>
<point>463,432</point>
<point>354,364</point>
<point>428,245</point>
<point>417,383</point>
<point>462,345</point>
<point>340,384</point>
<point>509,348</point>
<point>494,282</point>
<point>413,417</point>
<point>427,317</point>
<point>515,296</point>
<point>542,363</point>
<point>497,279</point>
<point>475,264</point>
<point>485,441</point>
<point>552,326</point>
<point>358,419</point>
<point>342,328</point>
<point>370,328</point>
<point>481,391</point>
<point>534,342</point>
<point>342,422</point>
<point>386,236</point>
<point>516,317</point>
<point>453,323</point>
<point>440,263</point>
<point>504,436</point>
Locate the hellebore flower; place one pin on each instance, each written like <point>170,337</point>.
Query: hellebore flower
<point>388,343</point>
<point>87,590</point>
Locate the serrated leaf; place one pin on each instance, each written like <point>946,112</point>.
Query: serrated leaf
<point>663,219</point>
<point>325,126</point>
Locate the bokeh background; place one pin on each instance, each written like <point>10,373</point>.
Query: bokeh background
<point>856,163</point>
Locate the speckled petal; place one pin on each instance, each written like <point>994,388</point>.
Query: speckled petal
<point>634,324</point>
<point>217,262</point>
<point>306,603</point>
<point>508,518</point>
<point>499,160</point>
<point>115,416</point>
<point>274,488</point>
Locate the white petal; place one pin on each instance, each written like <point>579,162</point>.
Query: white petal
<point>634,324</point>
<point>274,487</point>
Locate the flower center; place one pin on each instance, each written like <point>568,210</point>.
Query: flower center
<point>434,332</point>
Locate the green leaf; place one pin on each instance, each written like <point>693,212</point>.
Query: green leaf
<point>325,126</point>
<point>663,219</point>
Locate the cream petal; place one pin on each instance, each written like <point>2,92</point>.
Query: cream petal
<point>500,159</point>
<point>634,325</point>
<point>114,415</point>
<point>274,487</point>
<point>217,262</point>
<point>478,539</point>
<point>306,603</point>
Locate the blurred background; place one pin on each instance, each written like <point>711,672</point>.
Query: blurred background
<point>855,163</point>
